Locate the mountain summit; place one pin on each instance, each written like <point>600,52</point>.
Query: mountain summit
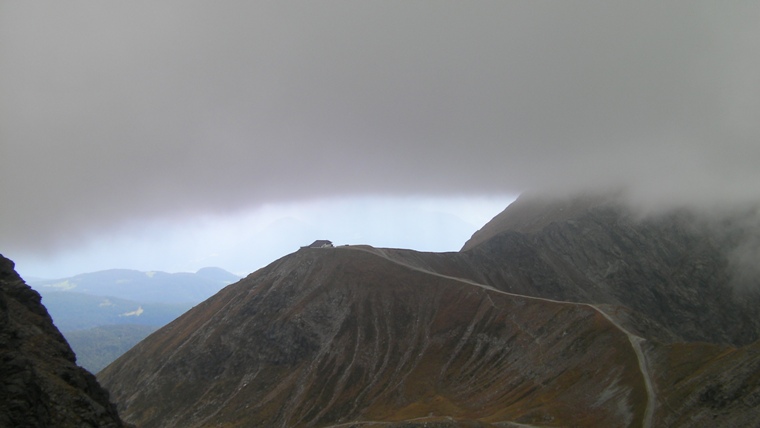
<point>557,313</point>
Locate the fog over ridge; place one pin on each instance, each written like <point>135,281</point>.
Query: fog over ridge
<point>116,112</point>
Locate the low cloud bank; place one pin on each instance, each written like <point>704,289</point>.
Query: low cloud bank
<point>113,114</point>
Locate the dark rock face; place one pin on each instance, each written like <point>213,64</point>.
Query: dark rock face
<point>674,268</point>
<point>40,383</point>
<point>559,313</point>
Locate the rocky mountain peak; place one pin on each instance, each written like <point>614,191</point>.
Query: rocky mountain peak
<point>678,267</point>
<point>531,213</point>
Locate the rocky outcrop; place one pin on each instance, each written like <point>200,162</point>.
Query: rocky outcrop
<point>40,383</point>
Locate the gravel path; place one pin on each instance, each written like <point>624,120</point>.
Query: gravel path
<point>635,340</point>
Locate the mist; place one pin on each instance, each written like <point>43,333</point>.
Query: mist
<point>113,114</point>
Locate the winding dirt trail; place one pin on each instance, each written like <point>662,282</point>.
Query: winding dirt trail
<point>635,340</point>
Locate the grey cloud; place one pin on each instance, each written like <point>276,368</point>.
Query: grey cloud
<point>115,112</point>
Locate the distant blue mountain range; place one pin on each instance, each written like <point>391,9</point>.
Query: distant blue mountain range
<point>143,287</point>
<point>88,307</point>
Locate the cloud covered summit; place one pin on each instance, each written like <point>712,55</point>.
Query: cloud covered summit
<point>115,112</point>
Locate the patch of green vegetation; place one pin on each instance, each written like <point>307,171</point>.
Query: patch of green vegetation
<point>100,346</point>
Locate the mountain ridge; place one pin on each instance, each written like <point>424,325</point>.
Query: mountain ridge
<point>593,318</point>
<point>294,347</point>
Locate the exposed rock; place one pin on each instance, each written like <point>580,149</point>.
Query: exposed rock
<point>674,268</point>
<point>40,383</point>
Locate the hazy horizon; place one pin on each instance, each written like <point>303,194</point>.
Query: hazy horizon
<point>250,240</point>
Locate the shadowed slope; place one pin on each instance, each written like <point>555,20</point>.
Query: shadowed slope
<point>706,385</point>
<point>532,213</point>
<point>676,269</point>
<point>40,383</point>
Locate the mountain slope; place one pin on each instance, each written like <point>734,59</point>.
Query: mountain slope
<point>677,269</point>
<point>100,346</point>
<point>40,383</point>
<point>706,385</point>
<point>346,335</point>
<point>568,313</point>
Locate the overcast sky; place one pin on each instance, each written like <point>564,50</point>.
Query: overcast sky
<point>144,120</point>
